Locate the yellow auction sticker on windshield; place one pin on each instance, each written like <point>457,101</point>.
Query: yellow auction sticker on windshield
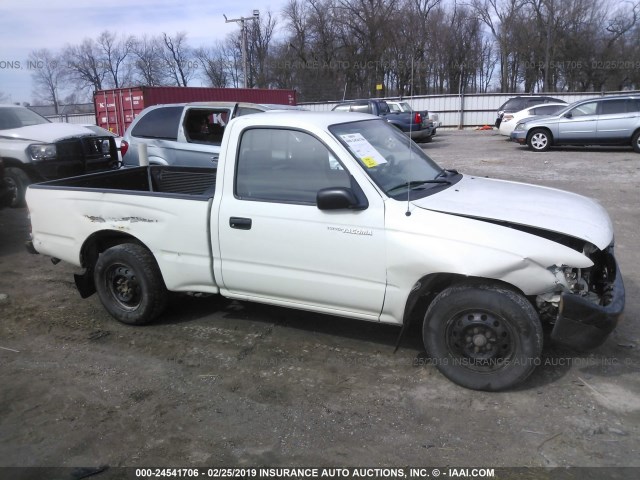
<point>366,152</point>
<point>369,162</point>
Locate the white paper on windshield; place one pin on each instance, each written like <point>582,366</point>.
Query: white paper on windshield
<point>364,150</point>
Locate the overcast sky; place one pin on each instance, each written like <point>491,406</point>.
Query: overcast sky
<point>26,25</point>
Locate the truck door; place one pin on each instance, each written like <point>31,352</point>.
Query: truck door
<point>277,246</point>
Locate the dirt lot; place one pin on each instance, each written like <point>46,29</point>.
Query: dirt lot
<point>226,383</point>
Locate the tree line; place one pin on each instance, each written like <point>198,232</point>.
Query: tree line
<point>331,49</point>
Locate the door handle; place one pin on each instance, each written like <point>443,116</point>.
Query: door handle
<point>240,223</point>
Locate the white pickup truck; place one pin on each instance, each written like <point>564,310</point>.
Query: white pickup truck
<point>342,214</point>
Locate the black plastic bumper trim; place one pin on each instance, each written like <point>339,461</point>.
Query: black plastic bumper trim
<point>584,325</point>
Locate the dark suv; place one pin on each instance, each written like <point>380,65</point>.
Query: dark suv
<point>521,102</point>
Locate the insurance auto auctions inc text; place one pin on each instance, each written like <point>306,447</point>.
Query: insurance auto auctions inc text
<point>375,472</point>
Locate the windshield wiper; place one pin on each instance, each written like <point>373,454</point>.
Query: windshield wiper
<point>416,183</point>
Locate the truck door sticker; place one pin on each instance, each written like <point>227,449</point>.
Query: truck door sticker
<point>366,152</point>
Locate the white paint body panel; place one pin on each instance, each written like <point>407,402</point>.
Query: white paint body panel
<point>524,204</point>
<point>173,229</point>
<point>360,264</point>
<point>47,132</point>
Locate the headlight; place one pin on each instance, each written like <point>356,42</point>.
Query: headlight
<point>519,126</point>
<point>45,151</point>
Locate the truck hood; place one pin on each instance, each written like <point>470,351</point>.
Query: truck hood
<point>525,205</point>
<point>46,132</point>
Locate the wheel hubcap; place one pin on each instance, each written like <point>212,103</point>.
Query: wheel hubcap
<point>124,286</point>
<point>539,141</point>
<point>482,338</point>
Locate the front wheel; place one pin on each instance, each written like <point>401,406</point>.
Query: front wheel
<point>539,140</point>
<point>17,181</point>
<point>483,337</point>
<point>129,284</point>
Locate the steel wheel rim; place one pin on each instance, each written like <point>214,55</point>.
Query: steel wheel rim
<point>539,140</point>
<point>481,340</point>
<point>123,286</point>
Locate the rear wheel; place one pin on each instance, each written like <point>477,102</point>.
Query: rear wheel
<point>539,140</point>
<point>635,141</point>
<point>129,284</point>
<point>18,181</point>
<point>483,337</point>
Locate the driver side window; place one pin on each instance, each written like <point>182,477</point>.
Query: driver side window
<point>285,166</point>
<point>585,109</point>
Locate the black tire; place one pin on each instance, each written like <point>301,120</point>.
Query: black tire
<point>18,181</point>
<point>539,140</point>
<point>129,284</point>
<point>635,141</point>
<point>483,337</point>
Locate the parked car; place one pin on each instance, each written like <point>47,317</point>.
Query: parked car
<point>521,102</point>
<point>414,124</point>
<point>404,107</point>
<point>339,214</point>
<point>510,120</point>
<point>187,134</point>
<point>6,193</point>
<point>35,149</point>
<point>598,121</point>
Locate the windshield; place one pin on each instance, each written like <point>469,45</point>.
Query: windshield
<point>405,107</point>
<point>17,117</point>
<point>394,162</point>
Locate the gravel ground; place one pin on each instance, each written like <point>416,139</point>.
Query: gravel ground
<point>222,383</point>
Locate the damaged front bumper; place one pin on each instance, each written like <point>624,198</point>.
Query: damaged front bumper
<point>582,324</point>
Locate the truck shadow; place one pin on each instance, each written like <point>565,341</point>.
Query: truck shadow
<point>614,358</point>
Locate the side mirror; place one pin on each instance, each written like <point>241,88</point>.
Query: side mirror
<point>336,198</point>
<point>568,115</point>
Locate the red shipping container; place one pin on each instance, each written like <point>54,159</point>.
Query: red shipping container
<point>116,108</point>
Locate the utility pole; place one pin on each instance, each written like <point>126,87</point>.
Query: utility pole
<point>243,31</point>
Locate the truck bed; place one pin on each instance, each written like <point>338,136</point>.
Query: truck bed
<point>164,208</point>
<point>155,179</point>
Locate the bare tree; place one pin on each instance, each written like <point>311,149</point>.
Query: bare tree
<point>148,66</point>
<point>501,17</point>
<point>114,55</point>
<point>84,66</point>
<point>47,77</point>
<point>214,64</point>
<point>178,58</point>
